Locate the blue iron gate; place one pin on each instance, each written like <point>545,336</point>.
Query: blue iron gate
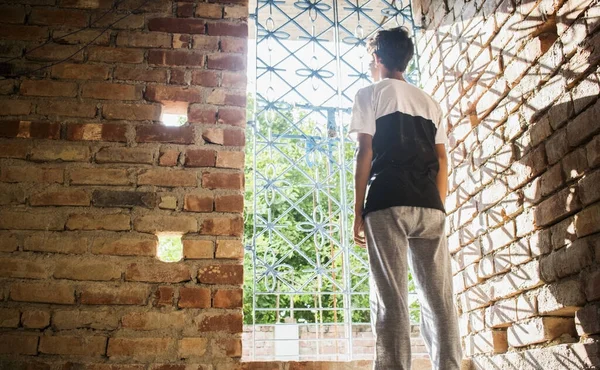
<point>306,282</point>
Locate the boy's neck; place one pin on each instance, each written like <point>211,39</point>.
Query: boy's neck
<point>395,75</point>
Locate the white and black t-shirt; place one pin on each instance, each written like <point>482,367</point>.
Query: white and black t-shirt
<point>406,124</point>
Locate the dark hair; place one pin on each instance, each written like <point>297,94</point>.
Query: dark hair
<point>394,47</point>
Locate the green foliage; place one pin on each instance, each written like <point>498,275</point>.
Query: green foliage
<point>307,153</point>
<point>170,248</point>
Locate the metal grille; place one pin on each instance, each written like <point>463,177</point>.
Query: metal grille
<point>306,288</point>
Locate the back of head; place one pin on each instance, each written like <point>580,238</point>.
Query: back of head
<point>394,47</point>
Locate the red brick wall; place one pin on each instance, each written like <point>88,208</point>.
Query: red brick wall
<point>520,83</point>
<point>89,176</point>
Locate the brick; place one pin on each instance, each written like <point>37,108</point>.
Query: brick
<point>67,108</point>
<point>15,150</point>
<point>222,180</point>
<point>222,226</point>
<point>592,285</point>
<point>488,342</point>
<point>205,78</point>
<point>176,58</point>
<point>116,21</point>
<point>234,45</point>
<point>179,77</point>
<point>48,88</point>
<point>574,164</point>
<point>140,348</point>
<point>18,220</point>
<point>499,238</point>
<point>221,274</point>
<point>588,221</point>
<point>236,12</point>
<point>144,40</point>
<point>97,132</point>
<point>111,91</point>
<point>125,155</point>
<point>202,114</point>
<point>230,348</point>
<point>72,345</point>
<point>62,152</point>
<point>138,74</point>
<point>99,176</point>
<point>234,80</point>
<point>132,112</point>
<point>224,137</point>
<point>85,319</point>
<point>586,320</point>
<point>226,159</point>
<point>174,93</point>
<point>198,203</point>
<point>529,166</point>
<point>153,320</point>
<point>12,14</point>
<point>168,178</point>
<point>229,203</point>
<point>583,126</point>
<point>181,41</point>
<point>115,55</point>
<point>222,96</point>
<point>175,25</point>
<point>24,33</point>
<point>9,318</point>
<point>206,10</point>
<point>153,224</point>
<point>72,71</point>
<point>552,180</point>
<point>168,202</point>
<point>84,36</point>
<point>12,194</point>
<point>229,323</point>
<point>63,197</point>
<point>192,347</point>
<point>30,130</point>
<point>200,158</point>
<point>18,344</point>
<point>558,206</point>
<point>237,29</point>
<point>561,299</point>
<point>593,152</point>
<point>563,233</point>
<point>539,330</point>
<point>169,157</point>
<point>198,249</point>
<point>7,86</point>
<point>232,116</point>
<point>165,134</point>
<point>158,273</point>
<point>164,296</point>
<point>126,199</point>
<point>87,4</point>
<point>58,17</point>
<point>191,297</point>
<point>57,293</point>
<point>228,298</point>
<point>232,249</point>
<point>141,245</point>
<point>109,222</point>
<point>121,295</point>
<point>23,268</point>
<point>185,10</point>
<point>228,62</point>
<point>87,269</point>
<point>35,319</point>
<point>14,108</point>
<point>56,243</point>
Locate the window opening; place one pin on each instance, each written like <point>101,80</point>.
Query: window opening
<point>174,114</point>
<point>306,284</point>
<point>170,248</point>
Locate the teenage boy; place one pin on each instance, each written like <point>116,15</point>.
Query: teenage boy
<point>402,159</point>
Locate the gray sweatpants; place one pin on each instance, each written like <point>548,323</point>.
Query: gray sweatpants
<point>394,234</point>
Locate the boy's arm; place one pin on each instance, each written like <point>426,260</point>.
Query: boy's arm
<point>361,179</point>
<point>442,176</point>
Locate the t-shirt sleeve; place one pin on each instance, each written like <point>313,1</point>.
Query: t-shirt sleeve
<point>362,120</point>
<point>440,136</point>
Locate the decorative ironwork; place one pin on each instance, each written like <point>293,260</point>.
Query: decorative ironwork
<point>302,266</point>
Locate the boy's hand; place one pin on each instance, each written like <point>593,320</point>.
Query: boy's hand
<point>359,232</point>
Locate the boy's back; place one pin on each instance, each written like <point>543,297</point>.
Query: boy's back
<point>405,123</point>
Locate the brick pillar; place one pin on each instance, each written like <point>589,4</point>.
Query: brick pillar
<point>519,83</point>
<point>89,176</point>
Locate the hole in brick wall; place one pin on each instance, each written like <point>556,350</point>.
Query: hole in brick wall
<point>174,113</point>
<point>170,248</point>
